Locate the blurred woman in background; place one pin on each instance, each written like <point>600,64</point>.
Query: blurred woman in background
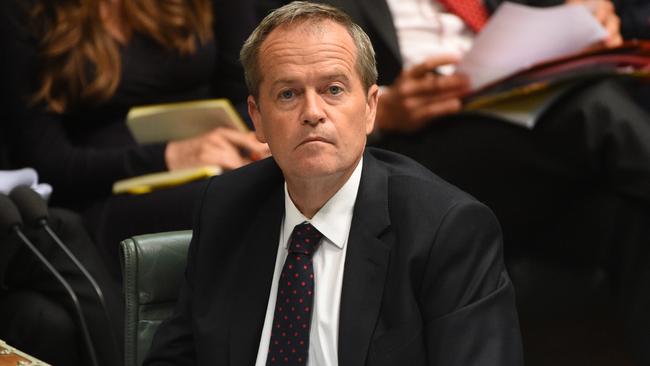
<point>78,66</point>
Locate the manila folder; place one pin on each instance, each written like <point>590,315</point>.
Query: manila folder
<point>177,121</point>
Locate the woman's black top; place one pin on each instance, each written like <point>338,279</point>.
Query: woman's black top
<point>82,152</point>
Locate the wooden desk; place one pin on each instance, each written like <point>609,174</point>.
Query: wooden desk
<point>10,356</point>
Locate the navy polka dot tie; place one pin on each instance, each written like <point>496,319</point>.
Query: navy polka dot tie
<point>289,343</point>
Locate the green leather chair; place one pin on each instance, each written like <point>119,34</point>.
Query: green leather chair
<point>153,268</point>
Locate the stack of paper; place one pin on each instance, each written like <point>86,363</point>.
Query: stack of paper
<point>518,37</point>
<point>526,58</point>
<point>630,59</point>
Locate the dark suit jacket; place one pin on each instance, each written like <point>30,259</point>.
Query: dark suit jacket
<point>424,280</point>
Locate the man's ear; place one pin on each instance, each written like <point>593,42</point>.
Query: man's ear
<point>254,113</point>
<point>371,107</point>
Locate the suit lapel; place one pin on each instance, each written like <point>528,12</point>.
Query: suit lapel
<point>379,15</point>
<point>365,265</point>
<point>251,294</point>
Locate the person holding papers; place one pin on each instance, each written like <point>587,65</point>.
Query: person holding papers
<point>77,67</point>
<point>592,144</point>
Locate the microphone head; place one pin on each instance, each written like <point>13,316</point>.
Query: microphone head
<point>31,206</point>
<point>9,216</point>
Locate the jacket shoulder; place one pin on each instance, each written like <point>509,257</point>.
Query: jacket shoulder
<point>410,181</point>
<point>420,200</point>
<point>237,192</point>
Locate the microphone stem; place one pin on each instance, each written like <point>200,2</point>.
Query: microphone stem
<point>75,301</point>
<point>76,262</point>
<point>86,274</point>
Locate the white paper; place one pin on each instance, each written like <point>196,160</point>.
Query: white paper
<point>10,179</point>
<point>519,36</point>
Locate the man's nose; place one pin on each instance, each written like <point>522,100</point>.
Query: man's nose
<point>313,112</point>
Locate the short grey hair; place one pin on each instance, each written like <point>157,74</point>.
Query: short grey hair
<point>299,12</point>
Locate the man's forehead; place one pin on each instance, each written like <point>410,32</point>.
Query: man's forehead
<point>308,28</point>
<point>325,44</point>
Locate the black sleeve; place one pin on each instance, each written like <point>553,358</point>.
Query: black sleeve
<point>39,139</point>
<point>234,21</point>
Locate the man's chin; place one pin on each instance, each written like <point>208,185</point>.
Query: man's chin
<point>313,172</point>
<point>318,167</point>
<point>313,168</point>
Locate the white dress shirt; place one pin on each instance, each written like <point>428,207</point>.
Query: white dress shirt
<point>333,220</point>
<point>425,29</point>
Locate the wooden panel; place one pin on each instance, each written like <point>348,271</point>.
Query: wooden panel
<point>10,356</point>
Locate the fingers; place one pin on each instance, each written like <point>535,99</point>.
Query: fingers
<point>430,64</point>
<point>246,143</point>
<point>216,149</point>
<point>605,13</point>
<point>411,101</point>
<point>237,148</point>
<point>601,10</point>
<point>613,26</point>
<point>431,84</point>
<point>422,79</point>
<point>222,147</point>
<point>410,114</point>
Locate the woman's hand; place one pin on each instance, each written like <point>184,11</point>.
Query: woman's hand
<point>224,147</point>
<point>604,12</point>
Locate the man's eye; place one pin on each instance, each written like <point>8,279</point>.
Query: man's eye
<point>335,90</point>
<point>286,94</point>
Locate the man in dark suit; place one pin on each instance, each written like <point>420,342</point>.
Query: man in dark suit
<point>554,188</point>
<point>594,141</point>
<point>387,264</point>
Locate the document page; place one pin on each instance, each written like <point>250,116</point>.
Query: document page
<point>518,37</point>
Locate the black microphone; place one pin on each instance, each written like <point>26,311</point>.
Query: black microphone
<point>34,211</point>
<point>10,223</point>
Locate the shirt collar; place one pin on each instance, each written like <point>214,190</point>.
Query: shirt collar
<point>334,219</point>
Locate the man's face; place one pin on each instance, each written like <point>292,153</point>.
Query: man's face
<point>312,108</point>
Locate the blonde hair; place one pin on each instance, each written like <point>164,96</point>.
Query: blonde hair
<point>81,60</point>
<point>299,12</point>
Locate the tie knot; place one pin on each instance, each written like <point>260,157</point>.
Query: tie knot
<point>305,239</point>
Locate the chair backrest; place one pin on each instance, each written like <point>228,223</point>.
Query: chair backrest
<point>153,267</point>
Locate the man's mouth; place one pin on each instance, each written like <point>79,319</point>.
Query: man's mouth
<point>314,139</point>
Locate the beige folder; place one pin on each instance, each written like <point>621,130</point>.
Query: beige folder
<point>177,121</point>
